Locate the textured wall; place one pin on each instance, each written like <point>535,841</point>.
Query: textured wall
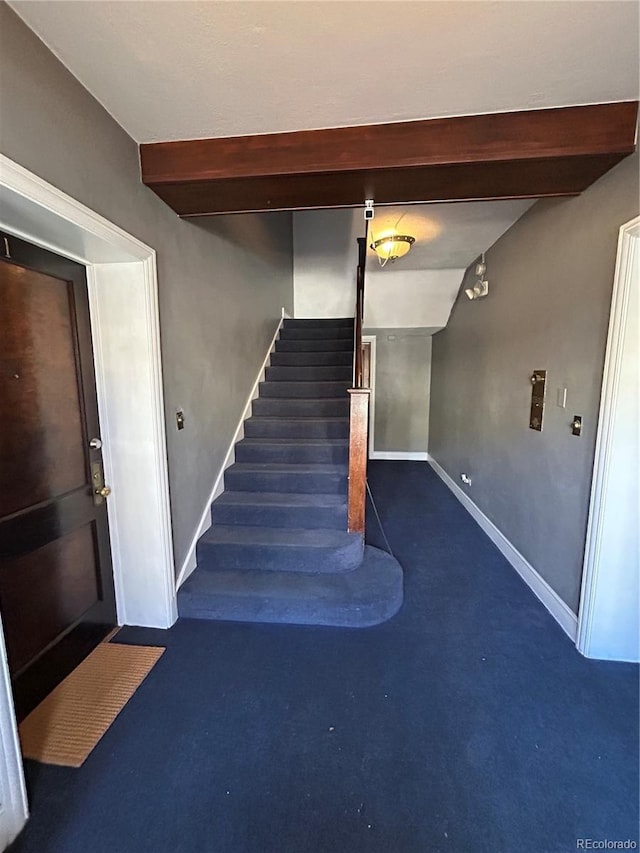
<point>222,282</point>
<point>402,299</point>
<point>402,390</point>
<point>551,279</point>
<point>325,260</point>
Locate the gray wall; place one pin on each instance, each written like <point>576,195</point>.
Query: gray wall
<point>222,282</point>
<point>325,260</point>
<point>403,378</point>
<point>551,279</point>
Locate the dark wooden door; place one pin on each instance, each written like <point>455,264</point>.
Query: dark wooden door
<point>56,581</point>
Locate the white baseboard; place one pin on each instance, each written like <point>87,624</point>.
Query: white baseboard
<point>561,612</point>
<point>407,455</point>
<point>189,563</point>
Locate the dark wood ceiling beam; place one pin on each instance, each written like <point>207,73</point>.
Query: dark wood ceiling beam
<point>505,155</point>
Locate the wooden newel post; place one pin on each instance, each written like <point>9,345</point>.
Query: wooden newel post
<point>358,451</point>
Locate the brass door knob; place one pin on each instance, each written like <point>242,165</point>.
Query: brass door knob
<point>104,492</point>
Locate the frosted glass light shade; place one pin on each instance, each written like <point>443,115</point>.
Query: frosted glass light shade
<point>392,247</point>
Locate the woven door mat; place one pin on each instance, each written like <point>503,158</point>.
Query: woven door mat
<point>66,726</point>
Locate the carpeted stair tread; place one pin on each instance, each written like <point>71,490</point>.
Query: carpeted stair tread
<point>324,333</point>
<point>289,538</point>
<point>287,468</point>
<point>306,373</point>
<point>287,407</point>
<point>333,427</point>
<point>313,345</point>
<point>281,509</point>
<point>312,358</point>
<point>293,450</point>
<point>281,499</point>
<point>297,442</point>
<point>247,548</point>
<point>307,401</point>
<point>305,389</point>
<point>368,595</point>
<point>286,477</point>
<point>313,322</point>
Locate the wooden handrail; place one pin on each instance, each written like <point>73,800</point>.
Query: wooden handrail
<point>359,310</point>
<point>357,331</point>
<point>358,408</point>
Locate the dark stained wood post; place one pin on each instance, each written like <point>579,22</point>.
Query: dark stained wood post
<point>358,452</point>
<point>357,338</point>
<point>358,407</point>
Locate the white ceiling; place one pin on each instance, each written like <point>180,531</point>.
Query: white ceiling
<point>448,236</point>
<point>183,70</point>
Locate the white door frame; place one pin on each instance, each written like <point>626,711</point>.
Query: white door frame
<point>599,577</point>
<point>14,809</point>
<point>123,306</point>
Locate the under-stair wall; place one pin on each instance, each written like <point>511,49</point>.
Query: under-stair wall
<point>189,563</point>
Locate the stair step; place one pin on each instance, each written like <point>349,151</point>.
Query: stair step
<point>312,408</point>
<point>334,345</point>
<point>304,389</point>
<point>282,477</point>
<point>323,333</point>
<point>281,509</point>
<point>332,451</point>
<point>324,322</point>
<point>272,549</point>
<point>264,427</point>
<point>298,373</point>
<point>368,595</point>
<point>312,359</point>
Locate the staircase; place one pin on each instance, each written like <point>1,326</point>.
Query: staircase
<point>278,549</point>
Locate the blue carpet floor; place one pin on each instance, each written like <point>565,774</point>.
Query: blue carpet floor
<point>467,723</point>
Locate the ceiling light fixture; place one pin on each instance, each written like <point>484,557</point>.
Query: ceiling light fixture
<point>478,291</point>
<point>392,247</point>
<point>481,288</point>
